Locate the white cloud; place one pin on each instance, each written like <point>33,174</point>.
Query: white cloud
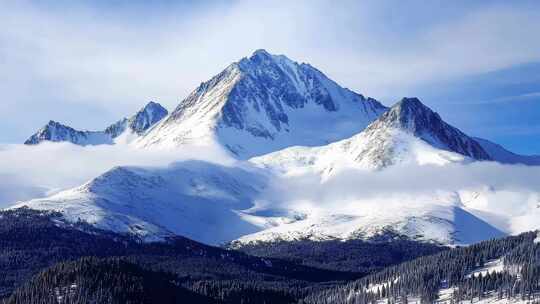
<point>506,196</point>
<point>35,171</point>
<point>507,193</point>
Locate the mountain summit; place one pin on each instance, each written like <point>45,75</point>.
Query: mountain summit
<point>136,124</point>
<point>56,132</point>
<point>140,122</point>
<point>409,132</point>
<point>412,116</point>
<point>262,104</point>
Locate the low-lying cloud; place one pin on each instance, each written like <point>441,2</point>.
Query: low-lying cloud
<point>506,195</point>
<point>508,192</point>
<point>35,171</point>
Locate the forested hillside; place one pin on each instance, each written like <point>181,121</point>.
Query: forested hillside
<point>93,280</point>
<point>461,272</point>
<point>31,241</point>
<point>306,272</point>
<point>362,256</point>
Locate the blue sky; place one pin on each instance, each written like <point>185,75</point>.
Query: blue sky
<point>89,63</point>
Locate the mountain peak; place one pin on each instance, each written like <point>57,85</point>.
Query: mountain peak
<point>54,131</point>
<point>265,103</point>
<point>53,124</point>
<point>412,116</point>
<point>147,117</point>
<point>154,109</point>
<point>261,53</point>
<point>152,105</point>
<point>411,103</point>
<point>261,59</point>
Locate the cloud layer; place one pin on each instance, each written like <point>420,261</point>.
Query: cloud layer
<point>36,171</point>
<point>508,196</point>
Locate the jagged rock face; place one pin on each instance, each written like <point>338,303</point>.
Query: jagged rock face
<point>57,132</point>
<point>49,132</point>
<point>117,128</point>
<point>415,118</point>
<point>267,101</point>
<point>138,124</point>
<point>147,117</point>
<point>272,83</point>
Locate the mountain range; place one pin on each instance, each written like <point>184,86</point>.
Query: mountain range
<point>283,120</point>
<point>325,193</point>
<point>126,128</point>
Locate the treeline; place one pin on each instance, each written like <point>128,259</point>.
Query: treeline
<point>359,256</point>
<point>423,277</point>
<point>113,281</point>
<point>31,241</point>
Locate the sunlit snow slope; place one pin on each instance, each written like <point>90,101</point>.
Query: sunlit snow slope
<point>409,133</point>
<point>262,104</point>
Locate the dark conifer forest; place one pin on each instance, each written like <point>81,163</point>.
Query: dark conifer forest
<point>45,260</point>
<point>425,276</point>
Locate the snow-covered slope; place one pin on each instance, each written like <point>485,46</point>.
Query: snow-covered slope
<point>215,204</point>
<point>409,135</point>
<point>195,199</point>
<point>290,118</point>
<point>409,132</point>
<point>262,104</point>
<point>500,154</point>
<point>123,129</point>
<point>437,218</point>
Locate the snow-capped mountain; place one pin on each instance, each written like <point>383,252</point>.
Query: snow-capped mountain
<point>216,204</point>
<point>415,118</point>
<point>409,132</point>
<point>134,125</point>
<point>274,113</point>
<point>262,104</point>
<point>140,122</point>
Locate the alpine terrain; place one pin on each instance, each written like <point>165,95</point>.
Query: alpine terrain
<point>124,129</point>
<point>240,204</point>
<point>328,197</point>
<point>262,104</point>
